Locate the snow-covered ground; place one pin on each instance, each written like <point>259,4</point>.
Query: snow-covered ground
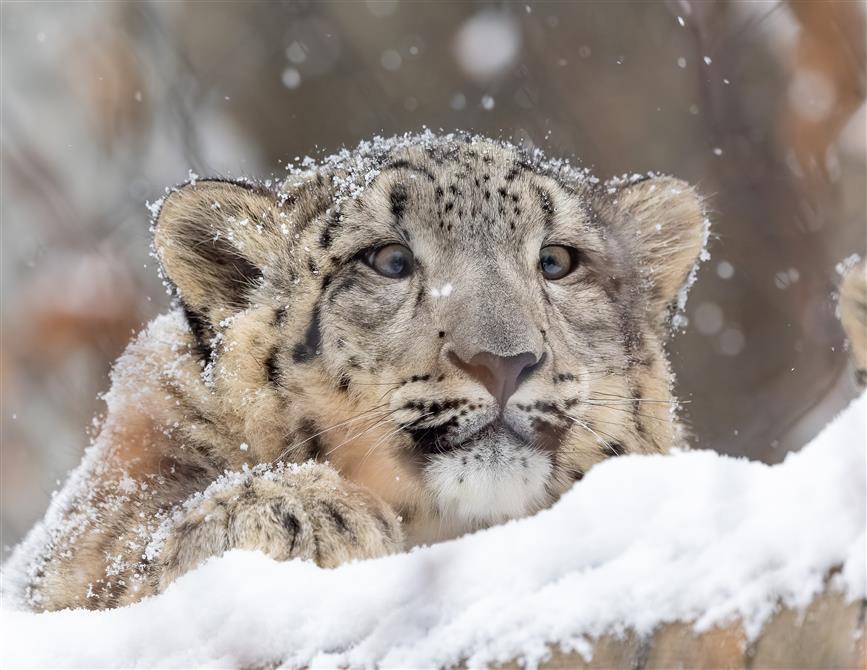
<point>641,540</point>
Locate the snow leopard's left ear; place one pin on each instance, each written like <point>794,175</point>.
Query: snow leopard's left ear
<point>663,221</point>
<point>213,239</point>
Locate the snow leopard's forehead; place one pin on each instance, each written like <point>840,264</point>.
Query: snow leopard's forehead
<point>461,199</point>
<point>353,170</point>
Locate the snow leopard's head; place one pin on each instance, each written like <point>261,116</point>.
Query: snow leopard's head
<point>461,326</point>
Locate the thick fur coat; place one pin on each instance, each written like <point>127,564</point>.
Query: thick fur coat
<point>309,399</point>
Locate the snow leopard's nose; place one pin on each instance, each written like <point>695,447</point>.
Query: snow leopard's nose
<point>501,375</point>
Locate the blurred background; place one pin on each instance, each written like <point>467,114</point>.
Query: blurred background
<point>760,104</point>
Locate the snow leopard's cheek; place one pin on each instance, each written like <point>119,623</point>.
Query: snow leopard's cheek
<point>375,330</point>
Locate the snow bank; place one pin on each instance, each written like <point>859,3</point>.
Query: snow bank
<point>640,541</point>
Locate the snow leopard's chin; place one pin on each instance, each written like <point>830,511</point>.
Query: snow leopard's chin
<point>494,476</point>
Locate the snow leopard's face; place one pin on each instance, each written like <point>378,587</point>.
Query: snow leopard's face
<point>466,335</point>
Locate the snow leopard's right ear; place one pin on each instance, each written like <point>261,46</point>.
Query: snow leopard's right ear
<point>214,239</point>
<point>662,221</point>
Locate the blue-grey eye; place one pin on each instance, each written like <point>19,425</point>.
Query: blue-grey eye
<point>393,260</point>
<point>557,261</point>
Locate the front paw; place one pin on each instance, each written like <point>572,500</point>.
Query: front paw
<point>330,520</point>
<point>307,512</point>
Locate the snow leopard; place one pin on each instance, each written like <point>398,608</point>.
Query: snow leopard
<point>394,345</point>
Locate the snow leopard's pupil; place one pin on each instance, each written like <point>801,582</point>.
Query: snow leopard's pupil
<point>393,260</point>
<point>556,261</point>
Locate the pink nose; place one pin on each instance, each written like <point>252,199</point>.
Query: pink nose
<point>501,375</point>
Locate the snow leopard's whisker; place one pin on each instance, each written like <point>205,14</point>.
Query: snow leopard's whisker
<point>584,421</point>
<point>625,410</point>
<point>629,399</point>
<point>391,390</point>
<point>387,435</point>
<point>620,423</point>
<point>376,444</point>
<point>360,415</point>
<point>357,417</point>
<point>583,425</point>
<point>377,422</point>
<point>592,375</point>
<point>614,401</point>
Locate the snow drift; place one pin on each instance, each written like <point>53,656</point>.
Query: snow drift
<point>642,540</point>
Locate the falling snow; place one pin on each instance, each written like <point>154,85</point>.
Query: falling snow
<point>487,44</point>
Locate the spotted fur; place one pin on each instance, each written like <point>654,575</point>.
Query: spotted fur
<point>288,347</point>
<point>853,314</point>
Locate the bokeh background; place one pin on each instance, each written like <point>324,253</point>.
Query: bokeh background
<point>761,104</point>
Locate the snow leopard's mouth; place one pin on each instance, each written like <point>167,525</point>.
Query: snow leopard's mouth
<point>440,440</point>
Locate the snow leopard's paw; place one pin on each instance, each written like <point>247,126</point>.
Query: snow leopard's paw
<point>308,512</point>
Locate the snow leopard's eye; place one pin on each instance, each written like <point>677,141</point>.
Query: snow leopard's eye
<point>393,260</point>
<point>557,261</point>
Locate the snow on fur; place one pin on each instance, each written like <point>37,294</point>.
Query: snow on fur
<point>642,540</point>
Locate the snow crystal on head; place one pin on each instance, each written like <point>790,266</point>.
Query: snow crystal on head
<point>618,182</point>
<point>353,170</point>
<point>443,291</point>
<point>847,264</point>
